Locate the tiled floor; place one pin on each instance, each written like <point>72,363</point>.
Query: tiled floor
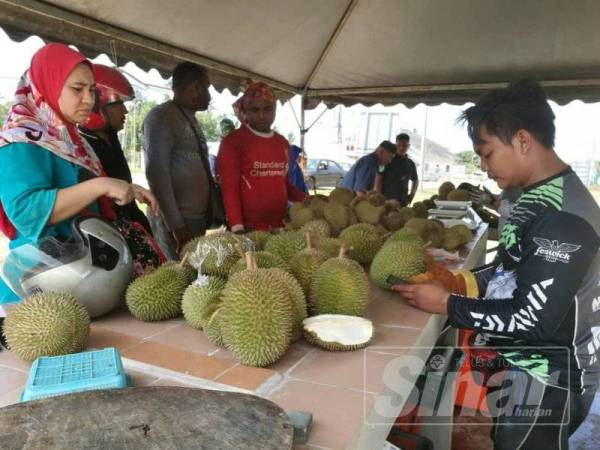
<point>335,387</point>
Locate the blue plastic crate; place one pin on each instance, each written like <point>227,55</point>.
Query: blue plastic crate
<point>58,375</point>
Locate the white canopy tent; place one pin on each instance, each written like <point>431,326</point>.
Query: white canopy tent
<point>339,51</point>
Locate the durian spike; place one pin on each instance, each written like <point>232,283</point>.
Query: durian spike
<point>240,250</point>
<point>184,259</point>
<point>308,243</point>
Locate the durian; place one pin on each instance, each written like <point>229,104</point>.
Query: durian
<point>300,216</point>
<point>458,195</point>
<point>420,209</point>
<point>338,332</point>
<point>297,298</point>
<point>376,199</point>
<point>201,300</point>
<point>212,329</point>
<point>215,254</point>
<point>157,295</point>
<point>452,239</point>
<point>463,231</point>
<point>305,263</point>
<point>257,317</point>
<point>393,221</point>
<point>318,228</point>
<point>339,286</point>
<point>392,204</point>
<point>286,244</point>
<point>264,260</point>
<point>406,234</point>
<point>330,246</point>
<point>444,189</point>
<point>363,241</point>
<point>317,204</point>
<point>341,195</point>
<point>403,259</point>
<point>368,213</point>
<point>46,324</point>
<point>259,238</point>
<point>337,216</point>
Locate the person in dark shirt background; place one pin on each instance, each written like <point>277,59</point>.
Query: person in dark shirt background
<point>392,180</point>
<point>101,127</point>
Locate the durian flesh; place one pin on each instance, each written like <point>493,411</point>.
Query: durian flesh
<point>338,332</point>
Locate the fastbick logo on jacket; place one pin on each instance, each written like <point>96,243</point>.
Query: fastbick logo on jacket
<point>269,169</point>
<point>552,251</point>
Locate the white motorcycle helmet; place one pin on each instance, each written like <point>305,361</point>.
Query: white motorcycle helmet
<point>95,265</point>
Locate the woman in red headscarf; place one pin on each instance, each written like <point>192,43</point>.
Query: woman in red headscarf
<point>253,164</point>
<point>42,154</point>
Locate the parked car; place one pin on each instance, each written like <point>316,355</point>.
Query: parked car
<point>323,173</point>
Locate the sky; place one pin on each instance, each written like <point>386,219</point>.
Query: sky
<point>577,137</point>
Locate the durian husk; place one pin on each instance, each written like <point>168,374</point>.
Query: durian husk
<point>256,317</point>
<point>363,241</point>
<point>320,331</point>
<point>305,263</point>
<point>341,195</point>
<point>46,324</point>
<point>200,301</point>
<point>157,295</point>
<point>404,259</point>
<point>339,286</point>
<point>367,213</point>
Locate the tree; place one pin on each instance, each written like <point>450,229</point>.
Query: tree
<point>131,136</point>
<point>469,159</point>
<point>4,107</point>
<point>209,122</point>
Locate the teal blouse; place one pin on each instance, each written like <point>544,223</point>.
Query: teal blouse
<point>30,178</point>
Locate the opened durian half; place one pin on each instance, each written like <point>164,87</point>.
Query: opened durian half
<point>338,332</point>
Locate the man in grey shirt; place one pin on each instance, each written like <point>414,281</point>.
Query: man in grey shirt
<point>176,158</point>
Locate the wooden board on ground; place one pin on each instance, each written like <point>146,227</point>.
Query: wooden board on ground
<point>148,418</point>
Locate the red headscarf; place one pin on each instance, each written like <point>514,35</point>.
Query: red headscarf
<point>254,90</point>
<point>35,117</point>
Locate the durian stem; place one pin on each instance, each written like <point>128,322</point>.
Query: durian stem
<point>184,259</point>
<point>249,260</point>
<point>240,250</point>
<point>426,244</point>
<point>342,252</point>
<point>308,243</point>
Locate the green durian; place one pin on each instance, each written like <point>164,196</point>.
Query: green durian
<point>402,258</point>
<point>157,295</point>
<point>363,241</point>
<point>339,286</point>
<point>46,324</point>
<point>200,301</point>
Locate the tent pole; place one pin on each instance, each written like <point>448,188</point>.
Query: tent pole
<point>302,122</point>
<point>423,144</point>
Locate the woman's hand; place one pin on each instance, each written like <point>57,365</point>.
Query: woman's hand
<point>143,195</point>
<point>120,191</point>
<point>124,193</point>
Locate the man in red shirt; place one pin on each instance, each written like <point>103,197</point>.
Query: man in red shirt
<point>253,164</point>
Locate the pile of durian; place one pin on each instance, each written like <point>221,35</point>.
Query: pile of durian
<point>256,294</point>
